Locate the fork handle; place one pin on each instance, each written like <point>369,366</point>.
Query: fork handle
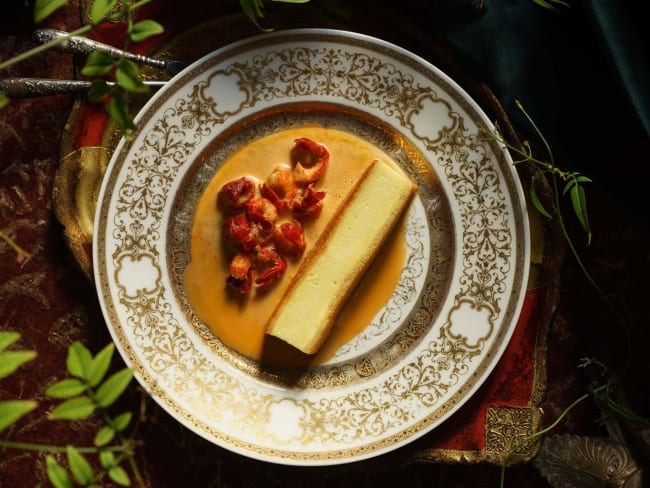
<point>38,87</point>
<point>83,45</point>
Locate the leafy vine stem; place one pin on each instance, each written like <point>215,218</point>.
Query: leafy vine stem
<point>570,184</point>
<point>86,391</point>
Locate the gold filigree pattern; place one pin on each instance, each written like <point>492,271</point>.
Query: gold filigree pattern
<point>454,335</point>
<point>505,428</point>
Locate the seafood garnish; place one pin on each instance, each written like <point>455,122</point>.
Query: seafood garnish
<point>272,266</point>
<point>239,233</point>
<point>235,194</point>
<point>308,204</point>
<point>280,187</point>
<point>262,212</point>
<point>289,239</point>
<point>253,225</point>
<point>241,272</point>
<point>310,160</point>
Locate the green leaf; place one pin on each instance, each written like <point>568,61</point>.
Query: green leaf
<point>578,200</point>
<point>117,474</point>
<point>4,100</point>
<point>127,76</point>
<point>570,184</point>
<point>12,410</point>
<point>536,201</point>
<point>67,388</point>
<point>45,8</point>
<point>145,29</point>
<point>79,359</point>
<point>543,3</point>
<point>10,361</point>
<point>56,474</point>
<point>117,109</point>
<point>7,338</point>
<point>107,459</point>
<point>122,421</point>
<point>104,436</point>
<point>73,409</point>
<point>625,413</point>
<point>100,9</point>
<point>113,387</point>
<point>253,10</point>
<point>98,63</point>
<point>549,4</point>
<point>80,467</point>
<point>99,90</point>
<point>99,365</point>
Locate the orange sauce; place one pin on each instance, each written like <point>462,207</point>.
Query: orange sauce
<point>239,320</point>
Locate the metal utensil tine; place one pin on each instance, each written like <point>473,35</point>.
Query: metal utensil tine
<point>174,67</point>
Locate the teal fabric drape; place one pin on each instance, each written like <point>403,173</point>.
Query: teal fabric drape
<point>582,72</point>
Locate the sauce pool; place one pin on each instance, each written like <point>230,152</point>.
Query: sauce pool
<point>238,320</point>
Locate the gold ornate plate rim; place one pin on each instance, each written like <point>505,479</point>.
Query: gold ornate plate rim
<point>461,346</point>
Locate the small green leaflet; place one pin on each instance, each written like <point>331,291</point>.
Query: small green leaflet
<point>100,9</point>
<point>73,409</point>
<point>45,8</point>
<point>67,388</point>
<point>117,474</point>
<point>253,9</point>
<point>7,338</point>
<point>535,200</point>
<point>99,365</point>
<point>117,108</point>
<point>107,459</point>
<point>122,421</point>
<point>127,76</point>
<point>12,410</point>
<point>145,29</point>
<point>78,360</point>
<point>80,467</point>
<point>99,90</point>
<point>549,4</point>
<point>113,387</point>
<point>104,436</point>
<point>98,63</point>
<point>579,201</point>
<point>10,361</point>
<point>56,474</point>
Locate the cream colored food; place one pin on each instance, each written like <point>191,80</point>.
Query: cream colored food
<point>240,321</point>
<point>331,271</point>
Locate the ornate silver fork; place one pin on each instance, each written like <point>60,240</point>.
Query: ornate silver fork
<point>83,45</point>
<point>37,87</point>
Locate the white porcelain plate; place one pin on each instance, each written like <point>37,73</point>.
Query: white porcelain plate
<point>459,293</point>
